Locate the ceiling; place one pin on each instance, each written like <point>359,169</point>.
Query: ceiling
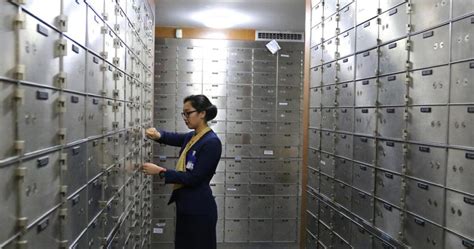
<point>270,15</point>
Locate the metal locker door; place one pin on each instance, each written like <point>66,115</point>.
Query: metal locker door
<point>44,233</point>
<point>391,122</point>
<point>453,240</point>
<point>328,98</point>
<point>329,50</point>
<point>426,200</point>
<point>239,53</point>
<point>316,75</point>
<point>94,77</point>
<point>214,90</point>
<point>160,209</point>
<point>460,172</point>
<point>367,64</point>
<point>393,23</point>
<point>362,205</point>
<point>461,8</point>
<point>286,189</point>
<point>164,64</point>
<point>327,141</point>
<point>236,230</point>
<point>219,101</point>
<point>213,77</point>
<point>261,207</point>
<point>284,230</point>
<point>427,162</point>
<point>217,189</point>
<point>285,207</point>
<point>241,102</point>
<point>189,65</point>
<point>345,95</point>
<point>430,48</point>
<point>425,122</point>
<point>393,57</point>
<point>108,80</point>
<point>325,235</point>
<point>39,52</point>
<point>421,233</point>
<point>239,90</point>
<point>315,97</point>
<point>7,102</point>
<point>263,127</point>
<point>327,186</point>
<point>343,145</point>
<point>330,25</point>
<point>458,210</point>
<point>109,49</point>
<point>262,115</point>
<point>366,92</point>
<point>239,114</point>
<point>9,202</point>
<point>263,66</point>
<point>75,176</point>
<point>365,11</point>
<point>461,82</point>
<point>76,220</point>
<point>264,91</point>
<point>346,43</point>
<point>311,229</point>
<point>49,16</point>
<point>291,79</point>
<point>367,34</point>
<point>74,67</point>
<point>285,177</point>
<point>388,187</point>
<point>313,179</point>
<point>260,230</point>
<point>164,230</point>
<point>316,56</point>
<point>345,119</point>
<point>238,126</point>
<point>343,170</point>
<point>266,78</point>
<point>262,189</point>
<point>430,86</point>
<point>329,73</point>
<point>313,158</point>
<point>314,138</point>
<point>41,184</point>
<point>288,115</point>
<point>237,177</point>
<point>345,69</point>
<point>326,213</point>
<point>363,177</point>
<point>392,90</point>
<point>390,155</point>
<point>364,149</point>
<point>313,204</point>
<point>292,92</point>
<point>461,125</point>
<point>258,165</point>
<point>193,52</point>
<point>346,17</point>
<point>194,77</point>
<point>360,238</point>
<point>40,110</point>
<point>263,54</point>
<point>342,195</point>
<point>326,164</point>
<point>237,189</point>
<point>188,89</point>
<point>439,13</point>
<point>316,34</point>
<point>95,38</point>
<point>365,121</point>
<point>7,10</point>
<point>315,118</point>
<point>317,13</point>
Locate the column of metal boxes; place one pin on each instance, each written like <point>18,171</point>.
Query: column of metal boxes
<point>391,125</point>
<point>75,95</point>
<point>258,96</point>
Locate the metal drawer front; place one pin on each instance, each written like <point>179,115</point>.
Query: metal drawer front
<point>346,69</point>
<point>345,119</point>
<point>462,85</point>
<point>316,76</point>
<point>346,43</point>
<point>343,145</point>
<point>364,149</point>
<point>391,122</point>
<point>366,92</point>
<point>392,90</point>
<point>460,172</point>
<point>343,170</point>
<point>329,73</point>
<point>365,121</point>
<point>343,195</point>
<point>427,162</point>
<point>388,187</point>
<point>439,12</point>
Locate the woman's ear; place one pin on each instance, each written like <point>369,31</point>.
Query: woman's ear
<point>202,115</point>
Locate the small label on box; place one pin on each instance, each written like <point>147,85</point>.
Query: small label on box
<point>158,230</point>
<point>268,152</point>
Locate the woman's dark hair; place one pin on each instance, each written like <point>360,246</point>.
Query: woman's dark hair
<point>201,103</point>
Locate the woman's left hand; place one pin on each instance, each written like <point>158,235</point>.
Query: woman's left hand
<point>152,169</point>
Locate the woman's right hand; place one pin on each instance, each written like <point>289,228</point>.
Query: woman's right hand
<point>152,133</point>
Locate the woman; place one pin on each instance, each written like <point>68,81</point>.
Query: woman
<point>196,209</point>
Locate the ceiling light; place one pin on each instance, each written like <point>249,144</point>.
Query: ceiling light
<point>220,18</point>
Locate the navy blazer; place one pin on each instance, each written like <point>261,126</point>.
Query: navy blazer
<point>195,198</point>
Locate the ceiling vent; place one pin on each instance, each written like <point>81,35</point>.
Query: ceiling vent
<point>279,36</point>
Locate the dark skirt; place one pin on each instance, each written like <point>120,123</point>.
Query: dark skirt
<point>196,231</point>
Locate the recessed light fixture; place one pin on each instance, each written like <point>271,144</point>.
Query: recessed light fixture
<point>220,18</point>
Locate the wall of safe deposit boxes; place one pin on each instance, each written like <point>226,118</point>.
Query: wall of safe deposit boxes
<point>391,124</point>
<point>258,96</point>
<point>76,91</point>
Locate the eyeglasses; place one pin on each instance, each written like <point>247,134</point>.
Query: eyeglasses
<point>187,114</point>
